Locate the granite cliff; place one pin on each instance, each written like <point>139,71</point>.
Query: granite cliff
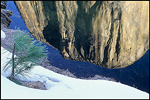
<point>112,34</point>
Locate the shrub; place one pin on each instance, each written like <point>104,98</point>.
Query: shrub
<point>29,53</point>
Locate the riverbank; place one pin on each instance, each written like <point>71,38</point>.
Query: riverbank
<point>7,44</point>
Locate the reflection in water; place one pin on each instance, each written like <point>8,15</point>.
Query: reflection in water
<point>102,33</point>
<point>136,74</point>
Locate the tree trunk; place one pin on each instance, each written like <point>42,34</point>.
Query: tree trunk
<point>12,75</point>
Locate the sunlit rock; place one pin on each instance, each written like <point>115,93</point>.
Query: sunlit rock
<point>112,34</point>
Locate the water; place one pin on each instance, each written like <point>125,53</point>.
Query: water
<point>136,75</point>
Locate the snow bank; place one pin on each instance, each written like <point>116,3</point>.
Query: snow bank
<point>63,87</point>
<point>5,55</point>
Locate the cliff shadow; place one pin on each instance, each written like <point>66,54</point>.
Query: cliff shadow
<point>84,37</point>
<point>51,31</point>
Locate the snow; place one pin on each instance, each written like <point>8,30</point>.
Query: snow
<point>2,34</point>
<point>63,87</point>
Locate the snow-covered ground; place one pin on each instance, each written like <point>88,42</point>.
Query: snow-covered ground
<point>3,34</point>
<point>63,87</point>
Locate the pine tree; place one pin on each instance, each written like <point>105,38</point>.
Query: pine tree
<point>29,53</point>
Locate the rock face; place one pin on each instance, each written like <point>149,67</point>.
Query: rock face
<point>5,14</point>
<point>112,34</point>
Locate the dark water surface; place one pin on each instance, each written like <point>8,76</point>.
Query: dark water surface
<point>136,75</point>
